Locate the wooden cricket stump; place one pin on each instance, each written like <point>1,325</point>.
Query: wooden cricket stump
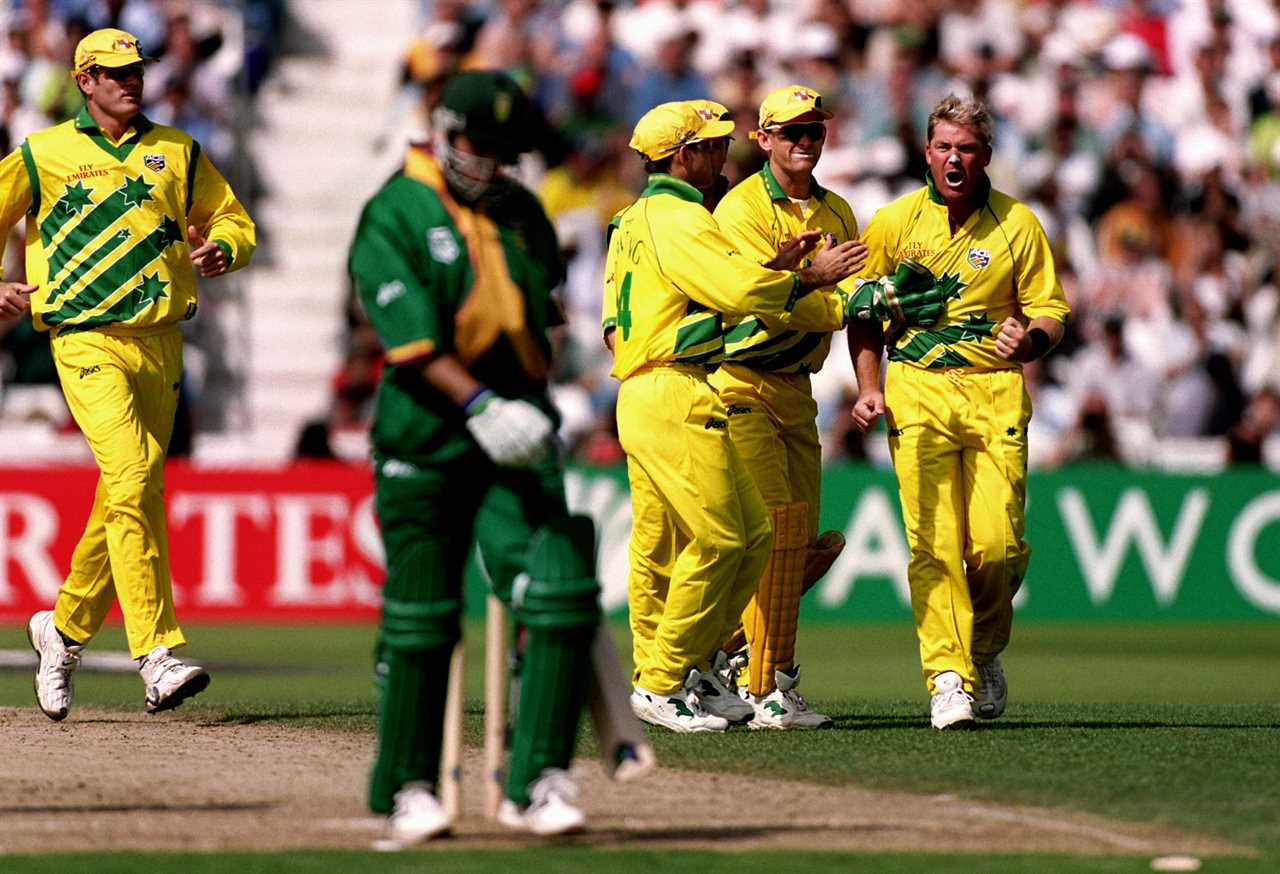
<point>495,716</point>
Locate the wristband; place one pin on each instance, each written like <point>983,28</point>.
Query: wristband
<point>1040,344</point>
<point>477,401</point>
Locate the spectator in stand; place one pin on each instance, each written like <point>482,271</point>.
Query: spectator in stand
<point>673,76</point>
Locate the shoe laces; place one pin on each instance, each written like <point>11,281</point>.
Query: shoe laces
<point>160,663</point>
<point>955,696</point>
<point>554,783</point>
<point>59,672</point>
<point>992,676</point>
<point>795,699</point>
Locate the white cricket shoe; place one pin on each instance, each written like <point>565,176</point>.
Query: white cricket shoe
<point>994,693</point>
<point>417,816</point>
<point>951,704</point>
<point>553,806</point>
<point>679,711</point>
<point>168,680</point>
<point>56,664</point>
<point>785,707</point>
<point>715,697</point>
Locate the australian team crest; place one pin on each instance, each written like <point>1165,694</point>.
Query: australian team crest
<point>155,163</point>
<point>979,258</point>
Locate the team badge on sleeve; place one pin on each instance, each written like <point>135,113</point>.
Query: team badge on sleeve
<point>153,162</point>
<point>444,248</point>
<point>979,258</point>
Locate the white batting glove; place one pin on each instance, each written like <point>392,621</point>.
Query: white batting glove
<point>511,433</point>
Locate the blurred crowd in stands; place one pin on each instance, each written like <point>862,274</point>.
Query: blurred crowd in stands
<point>1145,134</point>
<point>210,58</point>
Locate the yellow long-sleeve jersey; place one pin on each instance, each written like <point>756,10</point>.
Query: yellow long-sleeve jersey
<point>997,265</point>
<point>670,274</point>
<point>107,222</point>
<point>758,217</point>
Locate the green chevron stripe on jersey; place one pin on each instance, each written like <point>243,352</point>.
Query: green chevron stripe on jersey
<point>124,269</point>
<point>699,337</point>
<point>141,296</point>
<point>934,348</point>
<point>131,195</point>
<point>74,200</point>
<point>787,359</point>
<point>92,260</point>
<point>743,332</point>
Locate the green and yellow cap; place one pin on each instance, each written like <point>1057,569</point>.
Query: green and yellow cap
<point>790,102</point>
<point>107,47</point>
<point>668,126</point>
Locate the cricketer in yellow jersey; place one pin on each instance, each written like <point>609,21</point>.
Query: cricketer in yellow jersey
<point>711,195</point>
<point>955,406</point>
<point>669,275</point>
<point>119,211</point>
<point>764,385</point>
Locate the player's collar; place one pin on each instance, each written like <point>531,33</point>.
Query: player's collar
<point>84,121</point>
<point>981,195</point>
<point>775,190</point>
<point>665,183</point>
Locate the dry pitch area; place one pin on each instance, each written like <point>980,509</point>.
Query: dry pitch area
<point>133,782</point>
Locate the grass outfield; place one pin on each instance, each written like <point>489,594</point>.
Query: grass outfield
<point>582,861</point>
<point>1151,723</point>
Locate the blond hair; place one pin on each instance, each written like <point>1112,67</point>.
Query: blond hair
<point>967,112</point>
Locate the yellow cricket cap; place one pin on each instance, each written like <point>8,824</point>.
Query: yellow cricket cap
<point>790,102</point>
<point>107,47</point>
<point>668,126</point>
<point>709,108</point>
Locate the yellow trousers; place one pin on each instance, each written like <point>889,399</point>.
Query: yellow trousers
<point>958,439</point>
<point>693,502</point>
<point>122,390</point>
<point>773,422</point>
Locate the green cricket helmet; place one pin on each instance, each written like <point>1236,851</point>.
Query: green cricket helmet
<point>490,109</point>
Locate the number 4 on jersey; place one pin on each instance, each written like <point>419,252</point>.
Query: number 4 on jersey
<point>624,306</point>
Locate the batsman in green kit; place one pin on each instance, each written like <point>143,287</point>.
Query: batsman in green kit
<point>455,265</point>
<point>955,405</point>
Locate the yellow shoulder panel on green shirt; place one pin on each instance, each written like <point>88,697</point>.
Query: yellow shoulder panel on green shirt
<point>998,264</point>
<point>758,217</point>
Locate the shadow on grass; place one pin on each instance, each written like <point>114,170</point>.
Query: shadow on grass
<point>239,718</point>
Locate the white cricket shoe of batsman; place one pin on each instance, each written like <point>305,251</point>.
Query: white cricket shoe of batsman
<point>715,696</point>
<point>951,704</point>
<point>553,806</point>
<point>168,680</point>
<point>994,694</point>
<point>416,817</point>
<point>56,664</point>
<point>679,711</point>
<point>785,707</point>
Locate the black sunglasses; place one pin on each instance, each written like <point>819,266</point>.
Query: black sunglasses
<point>793,133</point>
<point>118,74</point>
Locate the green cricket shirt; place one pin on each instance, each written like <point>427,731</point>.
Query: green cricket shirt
<point>426,293</point>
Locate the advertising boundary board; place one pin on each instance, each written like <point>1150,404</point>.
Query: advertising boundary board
<point>300,543</point>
